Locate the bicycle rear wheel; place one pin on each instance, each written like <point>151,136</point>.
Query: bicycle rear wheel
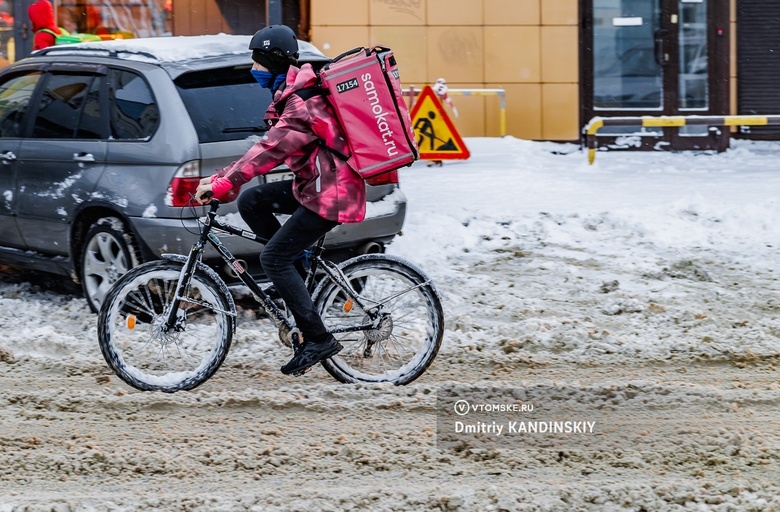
<point>132,339</point>
<point>407,335</point>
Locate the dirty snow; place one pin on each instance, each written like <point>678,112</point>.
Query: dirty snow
<point>641,293</point>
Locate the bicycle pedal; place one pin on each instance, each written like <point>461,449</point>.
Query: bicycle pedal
<point>300,373</point>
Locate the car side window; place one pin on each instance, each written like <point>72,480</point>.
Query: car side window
<point>69,108</point>
<point>134,112</point>
<point>15,94</point>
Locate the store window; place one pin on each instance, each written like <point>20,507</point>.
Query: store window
<point>117,18</point>
<point>7,47</point>
<point>108,19</point>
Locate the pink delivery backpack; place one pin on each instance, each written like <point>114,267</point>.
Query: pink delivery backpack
<point>364,87</point>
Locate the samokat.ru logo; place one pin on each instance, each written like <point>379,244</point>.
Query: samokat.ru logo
<point>380,114</point>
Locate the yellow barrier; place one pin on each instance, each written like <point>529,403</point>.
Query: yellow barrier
<point>501,93</point>
<point>595,124</point>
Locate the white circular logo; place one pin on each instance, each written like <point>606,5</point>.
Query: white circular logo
<point>462,407</point>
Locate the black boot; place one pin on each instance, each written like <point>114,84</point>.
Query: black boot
<point>311,354</point>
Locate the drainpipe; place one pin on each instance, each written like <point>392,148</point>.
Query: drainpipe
<point>273,12</point>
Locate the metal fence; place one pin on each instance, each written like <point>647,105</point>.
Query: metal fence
<point>411,93</point>
<point>594,125</point>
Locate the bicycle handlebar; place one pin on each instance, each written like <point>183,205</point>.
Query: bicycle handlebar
<point>214,203</point>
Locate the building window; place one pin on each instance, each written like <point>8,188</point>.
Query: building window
<point>118,19</point>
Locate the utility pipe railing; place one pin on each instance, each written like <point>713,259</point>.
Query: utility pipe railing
<point>501,93</point>
<point>594,125</point>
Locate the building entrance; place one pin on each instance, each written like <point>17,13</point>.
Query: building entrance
<point>654,58</point>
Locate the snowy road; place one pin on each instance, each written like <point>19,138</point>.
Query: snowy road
<point>641,293</point>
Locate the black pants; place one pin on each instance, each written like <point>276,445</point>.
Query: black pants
<point>285,242</point>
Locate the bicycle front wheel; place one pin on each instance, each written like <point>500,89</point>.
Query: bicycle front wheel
<point>150,358</point>
<point>407,326</point>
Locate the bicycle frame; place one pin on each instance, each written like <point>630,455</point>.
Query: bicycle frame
<point>176,315</point>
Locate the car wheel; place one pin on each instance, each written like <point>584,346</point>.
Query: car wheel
<point>109,251</point>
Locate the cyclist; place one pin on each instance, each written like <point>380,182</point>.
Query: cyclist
<point>324,192</point>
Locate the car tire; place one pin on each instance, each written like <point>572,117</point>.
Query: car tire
<point>109,251</point>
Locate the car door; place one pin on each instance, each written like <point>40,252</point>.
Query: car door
<point>63,155</point>
<point>16,92</point>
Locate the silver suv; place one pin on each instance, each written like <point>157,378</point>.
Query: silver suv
<point>102,145</point>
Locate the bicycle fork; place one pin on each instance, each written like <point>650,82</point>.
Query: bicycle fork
<point>177,314</point>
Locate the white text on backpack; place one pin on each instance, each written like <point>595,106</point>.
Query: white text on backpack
<point>379,114</point>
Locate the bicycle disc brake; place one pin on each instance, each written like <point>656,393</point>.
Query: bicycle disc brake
<point>381,332</point>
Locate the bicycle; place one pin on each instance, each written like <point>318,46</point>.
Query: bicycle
<point>167,325</point>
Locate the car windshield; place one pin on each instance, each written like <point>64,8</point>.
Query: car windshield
<point>225,103</point>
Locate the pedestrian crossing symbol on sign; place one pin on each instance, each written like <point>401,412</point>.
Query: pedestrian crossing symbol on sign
<point>437,138</point>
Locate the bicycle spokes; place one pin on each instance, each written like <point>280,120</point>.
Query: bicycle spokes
<point>147,352</point>
<point>388,321</point>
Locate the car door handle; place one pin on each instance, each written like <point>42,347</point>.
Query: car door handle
<point>7,156</point>
<point>83,157</point>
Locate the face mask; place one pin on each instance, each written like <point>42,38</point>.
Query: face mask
<point>263,78</point>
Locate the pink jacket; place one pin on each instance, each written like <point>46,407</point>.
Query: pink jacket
<point>323,182</point>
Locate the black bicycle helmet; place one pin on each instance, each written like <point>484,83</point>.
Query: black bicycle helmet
<point>275,47</point>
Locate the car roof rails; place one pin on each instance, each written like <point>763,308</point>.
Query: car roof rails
<point>102,52</point>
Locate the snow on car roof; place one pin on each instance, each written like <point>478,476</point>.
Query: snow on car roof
<point>176,49</point>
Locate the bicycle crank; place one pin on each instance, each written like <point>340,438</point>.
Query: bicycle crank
<point>290,337</point>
